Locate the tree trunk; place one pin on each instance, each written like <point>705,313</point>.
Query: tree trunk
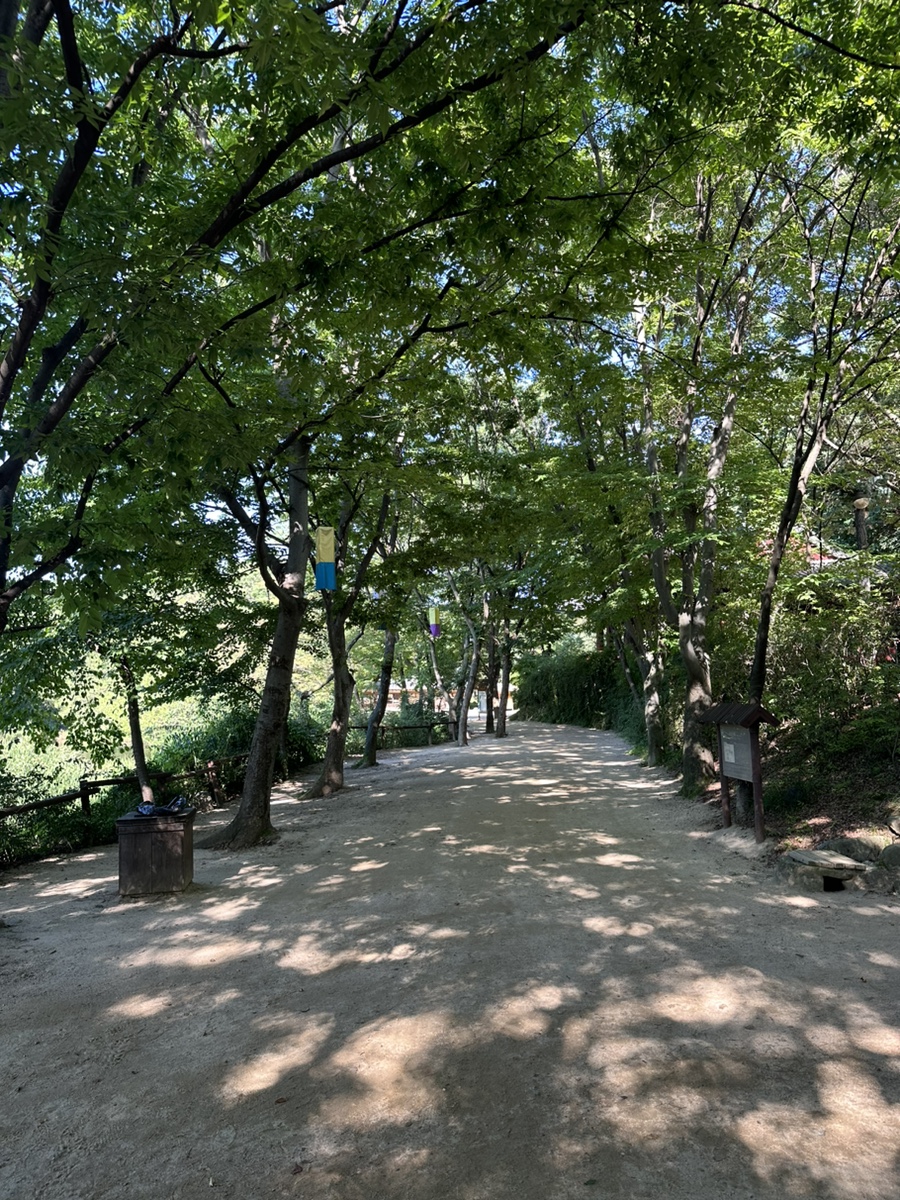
<point>696,757</point>
<point>691,612</point>
<point>493,669</point>
<point>331,777</point>
<point>252,822</point>
<point>652,671</point>
<point>624,664</point>
<point>860,504</point>
<point>471,675</point>
<point>805,458</point>
<point>650,664</point>
<point>9,15</point>
<point>439,684</point>
<point>459,683</point>
<point>742,804</point>
<point>505,669</point>
<point>369,755</point>
<point>468,692</point>
<point>137,735</point>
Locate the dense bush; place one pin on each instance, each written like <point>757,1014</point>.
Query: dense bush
<point>404,728</point>
<point>571,687</point>
<point>226,738</point>
<point>834,681</point>
<point>418,717</point>
<point>577,687</point>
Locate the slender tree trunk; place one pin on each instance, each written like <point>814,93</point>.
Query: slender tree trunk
<point>650,664</point>
<point>698,765</point>
<point>698,760</point>
<point>805,457</point>
<point>134,726</point>
<point>369,756</point>
<point>462,675</point>
<point>252,822</point>
<point>861,504</point>
<point>505,670</point>
<point>471,676</point>
<point>331,777</point>
<point>493,670</point>
<point>652,671</point>
<point>9,15</point>
<point>439,684</point>
<point>469,691</point>
<point>691,613</point>
<point>626,667</point>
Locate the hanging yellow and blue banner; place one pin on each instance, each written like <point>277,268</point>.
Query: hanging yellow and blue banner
<point>434,622</point>
<point>326,579</point>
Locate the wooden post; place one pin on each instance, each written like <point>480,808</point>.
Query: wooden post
<point>84,795</point>
<point>758,819</point>
<point>723,784</point>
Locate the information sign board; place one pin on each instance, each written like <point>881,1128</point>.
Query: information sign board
<point>737,758</point>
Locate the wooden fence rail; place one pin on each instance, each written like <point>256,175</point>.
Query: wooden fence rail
<point>88,787</point>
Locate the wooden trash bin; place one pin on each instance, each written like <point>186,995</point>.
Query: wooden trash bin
<point>156,851</point>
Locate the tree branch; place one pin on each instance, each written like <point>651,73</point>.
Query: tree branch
<point>818,38</point>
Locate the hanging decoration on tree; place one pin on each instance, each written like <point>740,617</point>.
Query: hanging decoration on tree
<point>434,622</point>
<point>326,579</point>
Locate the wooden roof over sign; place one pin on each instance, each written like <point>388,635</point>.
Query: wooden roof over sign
<point>737,714</point>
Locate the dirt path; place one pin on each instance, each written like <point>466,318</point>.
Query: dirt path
<point>522,971</point>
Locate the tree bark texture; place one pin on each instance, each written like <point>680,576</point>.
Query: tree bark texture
<point>252,822</point>
<point>331,777</point>
<point>469,690</point>
<point>652,671</point>
<point>439,684</point>
<point>137,733</point>
<point>650,665</point>
<point>505,670</point>
<point>369,755</point>
<point>697,764</point>
<point>493,670</point>
<point>699,514</point>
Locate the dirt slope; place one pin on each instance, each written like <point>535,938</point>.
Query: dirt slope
<point>520,971</point>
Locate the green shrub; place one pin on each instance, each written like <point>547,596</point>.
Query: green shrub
<point>226,738</point>
<point>62,829</point>
<point>568,688</point>
<point>418,716</point>
<point>825,675</point>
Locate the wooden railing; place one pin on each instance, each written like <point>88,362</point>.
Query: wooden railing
<point>88,787</point>
<point>384,729</point>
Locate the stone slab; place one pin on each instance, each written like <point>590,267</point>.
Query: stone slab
<point>827,862</point>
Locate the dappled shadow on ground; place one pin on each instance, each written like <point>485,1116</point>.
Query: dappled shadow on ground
<point>511,971</point>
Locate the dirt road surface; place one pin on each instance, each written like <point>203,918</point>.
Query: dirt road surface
<point>525,970</point>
